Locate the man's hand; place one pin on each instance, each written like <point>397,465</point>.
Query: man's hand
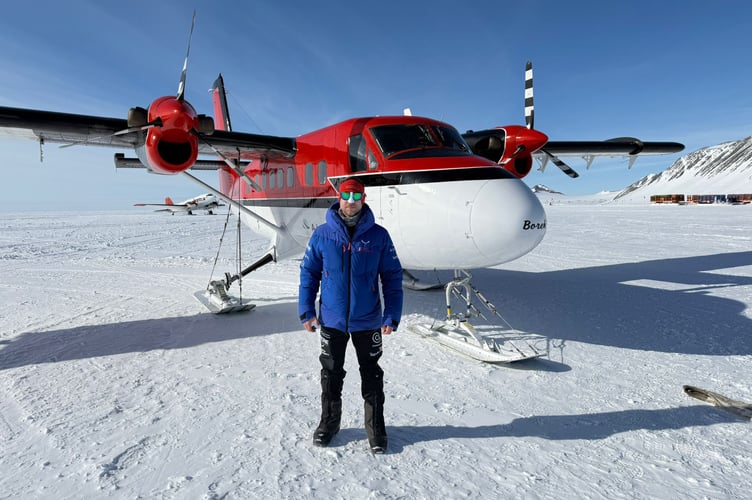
<point>311,324</point>
<point>386,330</point>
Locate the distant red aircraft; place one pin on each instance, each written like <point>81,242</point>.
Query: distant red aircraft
<point>207,202</point>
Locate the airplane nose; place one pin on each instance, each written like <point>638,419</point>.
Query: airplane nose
<point>507,220</point>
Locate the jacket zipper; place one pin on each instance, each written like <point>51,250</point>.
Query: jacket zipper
<point>349,283</point>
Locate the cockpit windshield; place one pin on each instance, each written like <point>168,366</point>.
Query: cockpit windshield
<point>419,140</point>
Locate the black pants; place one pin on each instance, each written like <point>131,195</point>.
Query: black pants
<point>368,349</point>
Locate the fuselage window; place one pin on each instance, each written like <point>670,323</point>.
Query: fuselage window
<point>290,177</point>
<point>256,180</point>
<point>271,179</point>
<point>280,178</point>
<point>309,174</point>
<point>322,172</point>
<point>263,180</point>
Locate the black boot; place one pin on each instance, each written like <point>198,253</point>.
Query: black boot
<point>331,413</point>
<point>374,411</point>
<point>372,379</point>
<point>331,407</point>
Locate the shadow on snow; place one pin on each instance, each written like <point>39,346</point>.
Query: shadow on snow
<point>673,310</point>
<point>592,305</point>
<point>589,426</point>
<point>92,341</point>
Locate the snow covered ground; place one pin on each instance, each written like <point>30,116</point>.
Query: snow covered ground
<point>114,382</point>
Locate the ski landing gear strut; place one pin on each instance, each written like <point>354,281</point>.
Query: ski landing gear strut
<point>216,298</point>
<point>488,343</point>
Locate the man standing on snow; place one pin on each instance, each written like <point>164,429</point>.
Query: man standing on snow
<point>346,257</point>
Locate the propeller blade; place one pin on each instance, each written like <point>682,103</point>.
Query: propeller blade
<point>517,151</point>
<point>530,120</point>
<point>154,123</point>
<point>181,86</point>
<point>529,106</point>
<point>563,166</point>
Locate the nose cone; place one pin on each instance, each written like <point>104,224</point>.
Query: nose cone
<point>532,139</point>
<point>507,220</point>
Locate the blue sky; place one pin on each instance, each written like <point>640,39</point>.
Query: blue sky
<point>660,70</point>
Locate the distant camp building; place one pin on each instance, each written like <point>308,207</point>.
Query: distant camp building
<point>737,199</point>
<point>706,199</point>
<point>667,198</point>
<point>702,199</point>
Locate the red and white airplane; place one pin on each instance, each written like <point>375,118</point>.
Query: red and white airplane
<point>449,201</point>
<point>207,202</point>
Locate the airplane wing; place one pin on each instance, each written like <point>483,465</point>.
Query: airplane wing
<point>73,129</point>
<point>170,208</point>
<point>622,146</point>
<point>630,147</point>
<point>64,128</point>
<point>175,205</point>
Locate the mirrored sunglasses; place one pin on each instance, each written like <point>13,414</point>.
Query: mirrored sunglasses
<point>348,196</point>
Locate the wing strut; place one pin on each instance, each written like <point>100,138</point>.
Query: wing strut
<point>215,297</point>
<point>230,163</point>
<point>234,203</point>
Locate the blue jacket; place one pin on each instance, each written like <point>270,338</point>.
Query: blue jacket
<point>348,271</point>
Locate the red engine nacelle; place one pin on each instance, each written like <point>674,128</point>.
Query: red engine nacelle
<point>521,143</point>
<point>171,143</point>
<point>520,166</point>
<point>511,146</point>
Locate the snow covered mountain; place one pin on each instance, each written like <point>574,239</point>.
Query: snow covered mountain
<point>722,169</point>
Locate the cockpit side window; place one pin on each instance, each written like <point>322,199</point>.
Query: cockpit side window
<point>373,163</point>
<point>357,152</point>
<point>418,140</point>
<point>395,138</point>
<point>451,139</point>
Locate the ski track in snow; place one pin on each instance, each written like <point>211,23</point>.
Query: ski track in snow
<point>116,383</point>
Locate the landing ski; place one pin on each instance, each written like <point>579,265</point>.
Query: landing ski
<point>498,343</point>
<point>738,408</point>
<point>492,346</point>
<point>221,303</point>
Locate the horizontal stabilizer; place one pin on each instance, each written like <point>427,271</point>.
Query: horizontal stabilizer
<point>121,161</point>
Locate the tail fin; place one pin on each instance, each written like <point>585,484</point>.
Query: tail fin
<point>221,112</point>
<point>168,201</point>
